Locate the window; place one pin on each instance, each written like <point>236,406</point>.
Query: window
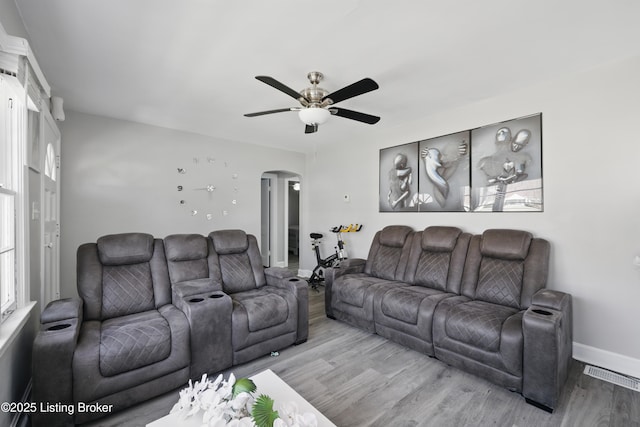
<point>11,193</point>
<point>7,252</point>
<point>50,162</point>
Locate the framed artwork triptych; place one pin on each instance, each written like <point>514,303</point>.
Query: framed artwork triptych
<point>494,168</point>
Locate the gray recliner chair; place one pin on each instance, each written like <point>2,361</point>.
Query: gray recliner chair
<point>122,343</point>
<point>505,326</point>
<point>270,305</point>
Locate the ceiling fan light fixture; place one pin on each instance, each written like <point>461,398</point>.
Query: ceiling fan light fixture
<point>314,115</point>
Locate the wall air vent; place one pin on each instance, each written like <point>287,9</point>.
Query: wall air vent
<point>612,377</point>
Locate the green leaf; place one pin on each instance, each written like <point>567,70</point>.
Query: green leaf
<point>263,413</point>
<point>243,385</point>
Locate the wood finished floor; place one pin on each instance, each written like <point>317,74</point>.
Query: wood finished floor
<point>359,379</point>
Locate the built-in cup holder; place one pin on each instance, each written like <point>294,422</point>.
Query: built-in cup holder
<point>194,300</point>
<point>216,296</point>
<point>58,327</point>
<point>294,279</point>
<point>542,312</point>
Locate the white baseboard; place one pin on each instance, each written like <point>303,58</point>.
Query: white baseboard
<point>606,359</point>
<point>280,264</point>
<point>304,273</point>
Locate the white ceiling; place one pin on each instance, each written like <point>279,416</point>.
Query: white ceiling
<point>190,64</point>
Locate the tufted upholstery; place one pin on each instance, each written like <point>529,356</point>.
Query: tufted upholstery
<point>131,342</point>
<point>126,289</point>
<point>504,268</point>
<point>476,302</point>
<point>123,342</point>
<point>434,271</point>
<point>387,256</point>
<point>270,306</point>
<point>152,314</point>
<point>238,258</point>
<point>349,296</point>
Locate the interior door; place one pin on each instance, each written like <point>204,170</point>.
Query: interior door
<point>50,213</point>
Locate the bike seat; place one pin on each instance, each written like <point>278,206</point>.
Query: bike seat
<point>316,235</point>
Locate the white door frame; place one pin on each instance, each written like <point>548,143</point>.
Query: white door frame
<point>49,280</point>
<point>273,216</point>
<point>286,219</point>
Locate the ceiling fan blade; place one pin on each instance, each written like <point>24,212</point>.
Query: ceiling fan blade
<point>281,87</point>
<point>310,128</point>
<point>354,115</point>
<point>358,88</point>
<point>280,110</point>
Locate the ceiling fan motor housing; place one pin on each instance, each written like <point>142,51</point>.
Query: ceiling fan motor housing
<point>312,96</point>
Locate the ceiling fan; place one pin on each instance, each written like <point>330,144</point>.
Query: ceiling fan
<point>317,103</point>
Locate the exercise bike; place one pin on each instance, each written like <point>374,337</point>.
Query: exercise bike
<point>333,260</point>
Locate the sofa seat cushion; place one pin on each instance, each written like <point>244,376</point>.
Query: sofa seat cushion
<point>352,288</point>
<point>405,315</point>
<point>483,338</point>
<point>89,384</point>
<point>404,303</point>
<point>478,323</point>
<point>130,342</point>
<point>264,309</point>
<point>353,297</point>
<point>260,315</point>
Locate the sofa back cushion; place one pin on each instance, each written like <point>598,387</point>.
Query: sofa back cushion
<point>389,252</point>
<point>436,259</point>
<point>506,267</point>
<point>238,257</point>
<point>187,257</point>
<point>122,274</point>
<point>500,281</point>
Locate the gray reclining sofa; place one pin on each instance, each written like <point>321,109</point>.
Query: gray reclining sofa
<point>152,314</point>
<point>478,303</point>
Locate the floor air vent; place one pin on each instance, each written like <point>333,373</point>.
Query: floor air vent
<point>612,377</point>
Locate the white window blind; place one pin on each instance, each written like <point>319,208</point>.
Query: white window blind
<point>7,253</point>
<point>10,167</point>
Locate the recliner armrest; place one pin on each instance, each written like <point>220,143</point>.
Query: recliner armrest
<point>62,309</point>
<point>547,326</point>
<point>550,298</point>
<point>277,274</point>
<point>300,289</point>
<point>187,288</point>
<point>52,358</point>
<point>209,316</point>
<point>347,266</point>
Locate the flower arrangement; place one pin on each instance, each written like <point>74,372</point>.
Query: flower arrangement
<point>230,403</point>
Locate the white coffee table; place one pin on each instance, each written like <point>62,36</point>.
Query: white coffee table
<point>267,383</point>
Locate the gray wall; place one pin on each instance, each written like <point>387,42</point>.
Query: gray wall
<point>591,197</point>
<point>121,176</point>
